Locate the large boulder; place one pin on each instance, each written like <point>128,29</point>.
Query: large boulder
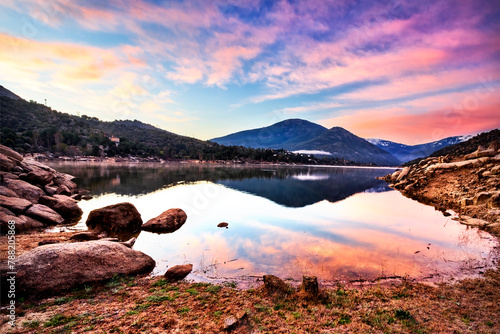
<point>169,221</point>
<point>29,223</point>
<point>44,214</point>
<point>10,153</point>
<point>6,164</point>
<point>24,189</point>
<point>64,184</point>
<point>122,217</point>
<point>21,223</point>
<point>179,272</point>
<point>40,176</point>
<point>66,206</point>
<point>7,192</point>
<point>14,204</point>
<point>51,269</point>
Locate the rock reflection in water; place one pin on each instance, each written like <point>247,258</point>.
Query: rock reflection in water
<point>331,222</point>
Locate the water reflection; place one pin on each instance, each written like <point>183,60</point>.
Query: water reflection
<point>290,186</point>
<point>323,222</point>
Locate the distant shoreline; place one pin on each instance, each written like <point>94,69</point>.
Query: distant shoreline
<point>137,160</point>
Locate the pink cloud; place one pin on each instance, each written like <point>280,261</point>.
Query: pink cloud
<point>401,125</point>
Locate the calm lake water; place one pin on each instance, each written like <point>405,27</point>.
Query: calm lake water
<point>340,224</point>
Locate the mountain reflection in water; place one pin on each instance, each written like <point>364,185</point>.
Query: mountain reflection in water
<point>295,186</point>
<point>335,223</point>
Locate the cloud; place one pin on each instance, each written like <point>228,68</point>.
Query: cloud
<point>455,114</point>
<point>354,56</point>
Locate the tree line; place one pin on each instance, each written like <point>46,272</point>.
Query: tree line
<point>30,127</point>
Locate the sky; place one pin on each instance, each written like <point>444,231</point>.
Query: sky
<point>401,70</point>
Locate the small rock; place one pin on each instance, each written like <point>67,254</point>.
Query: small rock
<point>403,174</point>
<point>223,224</point>
<point>475,222</point>
<point>48,242</point>
<point>84,236</point>
<point>76,197</point>
<point>481,198</point>
<point>169,221</point>
<point>179,272</point>
<point>495,170</point>
<point>494,201</point>
<point>230,323</point>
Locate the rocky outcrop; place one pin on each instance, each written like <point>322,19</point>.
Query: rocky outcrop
<point>31,193</point>
<point>51,269</point>
<point>122,217</point>
<point>179,272</point>
<point>169,221</point>
<point>469,185</point>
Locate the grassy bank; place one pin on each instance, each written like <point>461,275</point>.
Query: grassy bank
<point>151,305</point>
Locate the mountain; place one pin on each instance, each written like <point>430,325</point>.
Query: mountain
<point>286,134</point>
<point>406,153</point>
<point>5,92</point>
<point>30,127</point>
<point>303,136</point>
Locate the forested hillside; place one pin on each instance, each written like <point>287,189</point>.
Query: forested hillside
<point>30,127</point>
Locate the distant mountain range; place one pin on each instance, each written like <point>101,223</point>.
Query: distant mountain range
<point>31,127</point>
<point>301,135</point>
<point>406,153</point>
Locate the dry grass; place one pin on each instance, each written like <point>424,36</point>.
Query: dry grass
<point>151,305</point>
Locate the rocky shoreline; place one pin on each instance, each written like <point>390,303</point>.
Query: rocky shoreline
<point>469,185</point>
<point>35,196</point>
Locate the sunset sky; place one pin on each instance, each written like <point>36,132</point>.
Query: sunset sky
<point>407,71</point>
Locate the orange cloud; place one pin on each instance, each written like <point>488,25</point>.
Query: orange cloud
<point>60,60</point>
<point>400,125</point>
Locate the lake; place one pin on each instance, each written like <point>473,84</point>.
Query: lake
<point>339,224</point>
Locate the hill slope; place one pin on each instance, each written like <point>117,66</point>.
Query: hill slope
<point>301,135</point>
<point>5,92</point>
<point>484,139</point>
<point>32,127</point>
